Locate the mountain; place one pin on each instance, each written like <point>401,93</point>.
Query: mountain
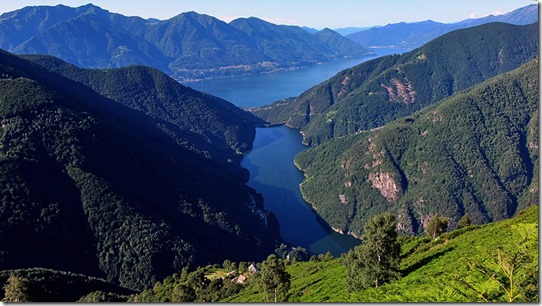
<point>188,46</point>
<point>310,30</point>
<point>412,35</point>
<point>122,174</point>
<point>293,44</point>
<point>221,130</point>
<point>201,42</point>
<point>401,35</point>
<point>342,45</point>
<point>522,16</point>
<point>378,91</point>
<point>474,153</point>
<point>92,39</point>
<point>19,26</point>
<point>46,285</point>
<point>350,30</point>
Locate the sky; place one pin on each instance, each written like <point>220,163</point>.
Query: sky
<point>312,13</point>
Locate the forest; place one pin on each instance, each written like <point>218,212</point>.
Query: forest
<point>475,153</point>
<point>99,186</point>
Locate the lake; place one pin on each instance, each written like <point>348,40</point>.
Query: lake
<point>273,174</point>
<point>262,89</point>
<point>271,161</point>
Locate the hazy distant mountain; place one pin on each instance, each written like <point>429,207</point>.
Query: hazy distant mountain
<point>94,39</point>
<point>293,44</point>
<point>350,30</point>
<point>195,41</point>
<point>412,35</point>
<point>342,45</point>
<point>310,30</point>
<point>187,46</point>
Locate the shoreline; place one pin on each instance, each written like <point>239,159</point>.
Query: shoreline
<point>339,231</point>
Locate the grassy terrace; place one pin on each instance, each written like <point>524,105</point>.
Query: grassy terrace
<point>433,270</point>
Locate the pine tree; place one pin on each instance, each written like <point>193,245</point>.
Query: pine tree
<point>17,290</point>
<point>376,260</point>
<point>273,279</point>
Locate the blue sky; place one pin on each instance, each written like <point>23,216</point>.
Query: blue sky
<point>313,13</point>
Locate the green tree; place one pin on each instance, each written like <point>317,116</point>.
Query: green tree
<point>243,266</point>
<point>436,226</point>
<point>229,265</point>
<point>282,251</point>
<point>376,260</point>
<point>298,254</point>
<point>197,279</point>
<point>17,290</point>
<point>464,221</point>
<point>273,279</point>
<point>182,294</point>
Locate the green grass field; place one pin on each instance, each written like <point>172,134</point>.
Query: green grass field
<point>448,269</point>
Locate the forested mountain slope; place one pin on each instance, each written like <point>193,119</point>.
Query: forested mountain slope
<point>217,126</point>
<point>474,153</point>
<point>187,46</point>
<point>128,194</point>
<point>378,91</point>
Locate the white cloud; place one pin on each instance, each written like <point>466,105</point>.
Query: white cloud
<point>475,15</point>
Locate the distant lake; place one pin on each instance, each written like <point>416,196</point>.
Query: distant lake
<point>262,89</point>
<point>271,161</point>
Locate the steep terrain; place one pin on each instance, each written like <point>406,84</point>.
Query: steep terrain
<point>475,153</point>
<point>130,194</point>
<point>187,46</point>
<point>448,269</point>
<point>217,126</point>
<point>412,35</point>
<point>378,91</point>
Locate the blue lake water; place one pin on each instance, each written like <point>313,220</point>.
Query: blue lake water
<point>271,161</point>
<point>273,174</point>
<point>262,89</point>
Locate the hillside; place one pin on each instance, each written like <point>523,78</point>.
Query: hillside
<point>412,35</point>
<point>188,46</point>
<point>217,126</point>
<point>437,270</point>
<point>46,285</point>
<point>130,195</point>
<point>381,90</point>
<point>432,270</point>
<point>474,153</point>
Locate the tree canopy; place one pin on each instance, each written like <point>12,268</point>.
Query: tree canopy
<point>273,279</point>
<point>376,260</point>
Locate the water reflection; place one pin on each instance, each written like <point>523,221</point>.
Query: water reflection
<point>274,175</point>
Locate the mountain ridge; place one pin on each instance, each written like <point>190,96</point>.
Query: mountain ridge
<point>412,35</point>
<point>371,94</point>
<point>187,46</point>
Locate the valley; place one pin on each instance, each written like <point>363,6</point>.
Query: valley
<point>192,159</point>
